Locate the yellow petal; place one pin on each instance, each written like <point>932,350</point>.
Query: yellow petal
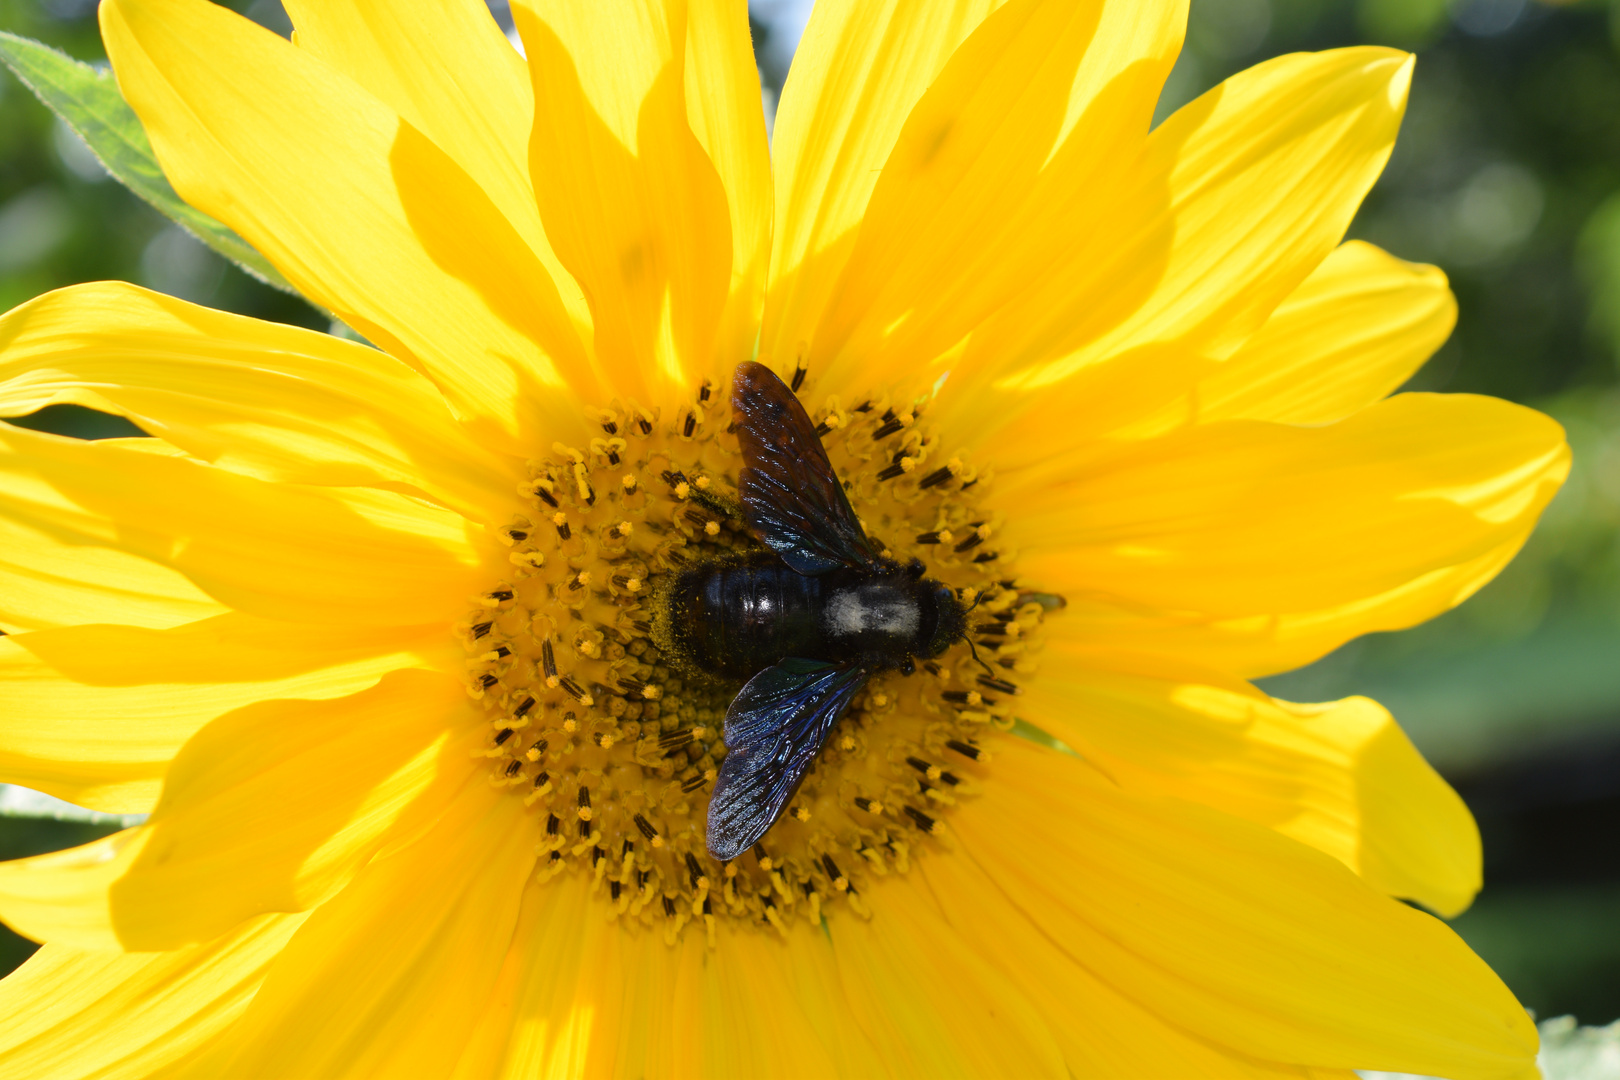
<point>928,1001</point>
<point>1101,1032</point>
<point>390,976</point>
<point>70,1014</point>
<point>572,996</point>
<point>632,203</point>
<point>62,896</point>
<point>1244,518</point>
<point>583,995</point>
<point>357,208</point>
<point>1245,938</point>
<point>1342,777</point>
<point>1234,201</point>
<point>445,67</point>
<point>1353,332</point>
<point>271,808</point>
<point>267,400</point>
<point>47,579</point>
<point>1048,99</point>
<point>741,1034</point>
<point>94,714</point>
<point>263,810</point>
<point>1255,645</point>
<point>724,110</point>
<point>306,554</point>
<point>860,67</point>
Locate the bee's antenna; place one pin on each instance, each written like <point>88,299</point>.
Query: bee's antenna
<point>978,597</point>
<point>988,670</point>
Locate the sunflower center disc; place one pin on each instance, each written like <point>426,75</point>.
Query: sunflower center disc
<point>615,746</point>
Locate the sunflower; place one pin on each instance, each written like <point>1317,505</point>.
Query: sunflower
<point>370,630</point>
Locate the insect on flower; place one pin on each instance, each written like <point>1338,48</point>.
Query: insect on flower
<point>807,621</point>
<point>535,691</point>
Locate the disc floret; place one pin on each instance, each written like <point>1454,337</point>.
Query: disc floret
<point>614,743</point>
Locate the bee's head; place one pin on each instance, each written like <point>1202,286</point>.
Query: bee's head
<point>950,618</point>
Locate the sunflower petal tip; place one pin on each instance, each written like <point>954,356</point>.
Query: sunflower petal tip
<point>1401,82</point>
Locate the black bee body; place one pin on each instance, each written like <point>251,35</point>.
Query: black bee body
<point>806,622</point>
<point>737,617</point>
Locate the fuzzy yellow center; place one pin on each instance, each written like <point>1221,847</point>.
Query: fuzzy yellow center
<point>593,726</point>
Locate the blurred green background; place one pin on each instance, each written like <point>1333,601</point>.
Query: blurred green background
<point>1507,175</point>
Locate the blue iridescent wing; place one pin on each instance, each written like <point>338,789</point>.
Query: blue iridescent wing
<point>791,497</point>
<point>773,729</point>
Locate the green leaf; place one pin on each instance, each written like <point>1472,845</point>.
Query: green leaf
<point>88,101</point>
<point>1597,257</point>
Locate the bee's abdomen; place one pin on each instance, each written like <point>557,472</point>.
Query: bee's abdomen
<point>737,618</point>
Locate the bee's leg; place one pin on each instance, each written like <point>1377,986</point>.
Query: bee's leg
<point>718,505</point>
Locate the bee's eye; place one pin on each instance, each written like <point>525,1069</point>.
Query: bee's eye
<point>916,568</point>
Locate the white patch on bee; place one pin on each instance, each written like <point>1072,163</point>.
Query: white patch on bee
<point>880,610</point>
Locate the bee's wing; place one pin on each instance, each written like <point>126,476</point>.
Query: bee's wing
<point>773,729</point>
<point>791,497</point>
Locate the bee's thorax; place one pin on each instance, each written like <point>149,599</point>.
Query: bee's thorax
<point>875,608</point>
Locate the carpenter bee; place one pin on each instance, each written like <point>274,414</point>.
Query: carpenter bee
<point>806,622</point>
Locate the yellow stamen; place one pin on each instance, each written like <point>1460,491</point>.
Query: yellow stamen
<point>621,743</point>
